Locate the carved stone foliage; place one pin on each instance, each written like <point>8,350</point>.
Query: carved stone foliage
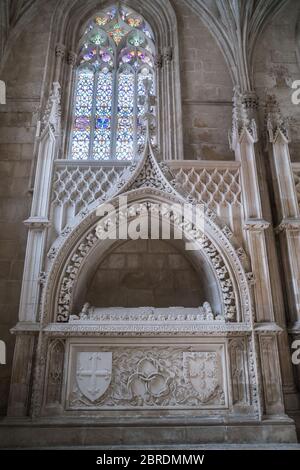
<point>76,260</point>
<point>146,314</point>
<point>275,122</point>
<point>243,121</point>
<point>56,354</point>
<point>70,274</point>
<point>211,186</point>
<point>158,377</point>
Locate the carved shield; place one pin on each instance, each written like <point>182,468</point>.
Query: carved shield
<point>200,369</point>
<point>93,373</point>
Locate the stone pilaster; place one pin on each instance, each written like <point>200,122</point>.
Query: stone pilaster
<point>243,140</point>
<point>37,224</point>
<point>20,388</point>
<point>288,216</point>
<point>67,102</point>
<point>60,51</point>
<point>288,222</point>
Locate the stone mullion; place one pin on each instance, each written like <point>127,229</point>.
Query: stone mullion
<point>67,111</point>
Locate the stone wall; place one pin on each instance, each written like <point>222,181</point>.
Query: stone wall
<point>146,272</point>
<point>206,90</point>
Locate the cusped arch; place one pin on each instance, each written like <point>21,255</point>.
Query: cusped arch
<point>82,247</point>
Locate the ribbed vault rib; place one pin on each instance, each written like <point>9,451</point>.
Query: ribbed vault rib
<point>236,26</point>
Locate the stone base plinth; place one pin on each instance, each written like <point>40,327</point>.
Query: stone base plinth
<point>91,432</point>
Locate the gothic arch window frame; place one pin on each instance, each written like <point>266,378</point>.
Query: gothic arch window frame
<point>69,22</point>
<point>116,59</point>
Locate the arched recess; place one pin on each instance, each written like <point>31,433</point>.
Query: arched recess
<point>68,24</point>
<point>150,283</point>
<point>82,248</point>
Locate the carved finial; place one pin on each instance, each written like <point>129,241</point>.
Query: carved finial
<point>242,121</point>
<point>274,121</point>
<point>52,115</point>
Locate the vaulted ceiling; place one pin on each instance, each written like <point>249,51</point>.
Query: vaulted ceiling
<point>235,24</point>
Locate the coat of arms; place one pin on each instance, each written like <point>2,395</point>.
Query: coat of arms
<point>93,373</point>
<point>200,370</point>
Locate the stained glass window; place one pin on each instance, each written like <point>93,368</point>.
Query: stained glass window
<point>116,56</point>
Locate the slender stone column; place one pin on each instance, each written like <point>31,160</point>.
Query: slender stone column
<point>288,214</point>
<point>243,140</point>
<point>38,224</point>
<point>38,221</point>
<point>59,55</point>
<point>67,101</point>
<point>286,204</point>
<point>169,108</point>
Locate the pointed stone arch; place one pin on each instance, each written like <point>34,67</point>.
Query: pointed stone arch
<point>75,249</point>
<point>68,22</point>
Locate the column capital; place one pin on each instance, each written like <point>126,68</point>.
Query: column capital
<point>256,225</point>
<point>243,123</point>
<point>37,223</point>
<point>71,58</point>
<point>276,125</point>
<point>288,224</point>
<point>60,50</point>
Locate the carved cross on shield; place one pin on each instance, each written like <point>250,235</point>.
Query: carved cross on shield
<point>93,373</point>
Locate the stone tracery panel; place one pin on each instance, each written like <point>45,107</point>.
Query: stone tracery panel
<point>214,184</point>
<point>211,186</point>
<point>75,187</point>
